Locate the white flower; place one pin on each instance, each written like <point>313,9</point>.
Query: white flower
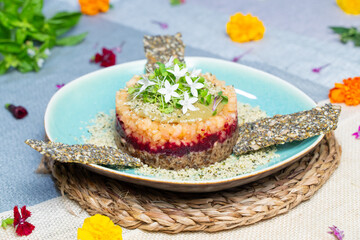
<point>194,86</point>
<point>177,72</point>
<point>195,73</point>
<point>169,91</point>
<point>47,52</point>
<point>30,52</point>
<point>40,62</point>
<point>145,82</point>
<point>187,103</point>
<point>170,62</point>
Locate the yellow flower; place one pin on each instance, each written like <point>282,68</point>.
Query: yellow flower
<point>245,28</point>
<point>99,227</point>
<point>93,7</point>
<point>349,6</point>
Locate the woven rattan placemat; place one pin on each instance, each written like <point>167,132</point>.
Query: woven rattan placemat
<point>133,206</point>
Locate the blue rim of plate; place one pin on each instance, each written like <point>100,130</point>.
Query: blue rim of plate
<point>190,61</point>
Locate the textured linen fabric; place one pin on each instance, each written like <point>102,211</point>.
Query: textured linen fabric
<point>336,203</point>
<point>297,39</point>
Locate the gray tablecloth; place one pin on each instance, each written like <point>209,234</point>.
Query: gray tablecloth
<point>297,39</point>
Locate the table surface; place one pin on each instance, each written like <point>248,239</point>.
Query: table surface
<point>297,39</point>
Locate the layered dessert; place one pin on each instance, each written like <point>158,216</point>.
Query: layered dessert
<point>174,118</point>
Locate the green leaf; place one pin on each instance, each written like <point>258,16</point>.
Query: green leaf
<point>225,99</point>
<point>131,90</point>
<point>62,22</point>
<point>26,66</point>
<point>7,46</point>
<point>40,36</point>
<point>72,40</point>
<point>4,32</point>
<point>30,8</point>
<point>6,222</point>
<point>214,112</point>
<point>11,6</point>
<point>3,67</point>
<point>208,100</point>
<point>38,21</point>
<point>339,30</point>
<point>20,35</point>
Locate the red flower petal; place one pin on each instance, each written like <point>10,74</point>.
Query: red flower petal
<point>98,58</point>
<point>106,51</point>
<point>16,216</point>
<point>25,213</point>
<point>24,229</point>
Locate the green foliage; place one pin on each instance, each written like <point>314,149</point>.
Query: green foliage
<point>25,33</point>
<point>348,34</point>
<point>6,222</point>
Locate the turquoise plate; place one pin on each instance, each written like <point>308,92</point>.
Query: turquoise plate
<point>71,108</point>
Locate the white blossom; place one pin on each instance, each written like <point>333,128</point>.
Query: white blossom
<point>195,73</point>
<point>194,86</point>
<point>145,82</point>
<point>187,103</point>
<point>169,91</point>
<point>177,72</point>
<point>170,62</point>
<point>47,52</point>
<point>30,52</point>
<point>40,62</point>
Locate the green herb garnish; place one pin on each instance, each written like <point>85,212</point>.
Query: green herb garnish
<point>26,35</point>
<point>171,86</point>
<point>348,34</point>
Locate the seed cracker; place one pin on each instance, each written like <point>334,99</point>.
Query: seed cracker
<point>281,129</point>
<point>161,47</point>
<point>84,153</point>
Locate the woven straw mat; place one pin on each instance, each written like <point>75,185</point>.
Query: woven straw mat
<point>133,206</point>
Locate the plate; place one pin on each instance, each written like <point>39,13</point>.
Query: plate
<point>74,105</point>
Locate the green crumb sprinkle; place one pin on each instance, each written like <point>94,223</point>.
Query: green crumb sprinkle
<point>102,131</point>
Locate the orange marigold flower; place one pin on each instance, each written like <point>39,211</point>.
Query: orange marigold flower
<point>93,7</point>
<point>349,6</point>
<point>349,92</point>
<point>245,28</point>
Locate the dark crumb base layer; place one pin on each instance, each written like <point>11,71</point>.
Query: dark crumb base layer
<point>212,148</point>
<point>218,152</point>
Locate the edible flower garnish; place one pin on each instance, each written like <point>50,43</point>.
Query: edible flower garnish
<point>106,59</point>
<point>93,7</point>
<point>18,112</point>
<point>337,232</point>
<point>60,85</point>
<point>244,28</point>
<point>194,86</point>
<point>23,228</point>
<point>162,25</point>
<point>145,82</point>
<point>237,58</point>
<point>171,86</point>
<point>99,227</point>
<point>349,6</point>
<point>357,134</point>
<point>169,91</point>
<point>187,103</point>
<point>318,69</point>
<point>349,92</point>
<point>178,73</point>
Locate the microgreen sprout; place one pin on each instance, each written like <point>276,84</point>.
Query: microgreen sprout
<point>171,86</point>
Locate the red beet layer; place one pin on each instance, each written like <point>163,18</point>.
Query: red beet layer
<point>173,149</point>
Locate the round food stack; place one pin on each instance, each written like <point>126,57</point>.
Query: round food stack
<point>172,118</point>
